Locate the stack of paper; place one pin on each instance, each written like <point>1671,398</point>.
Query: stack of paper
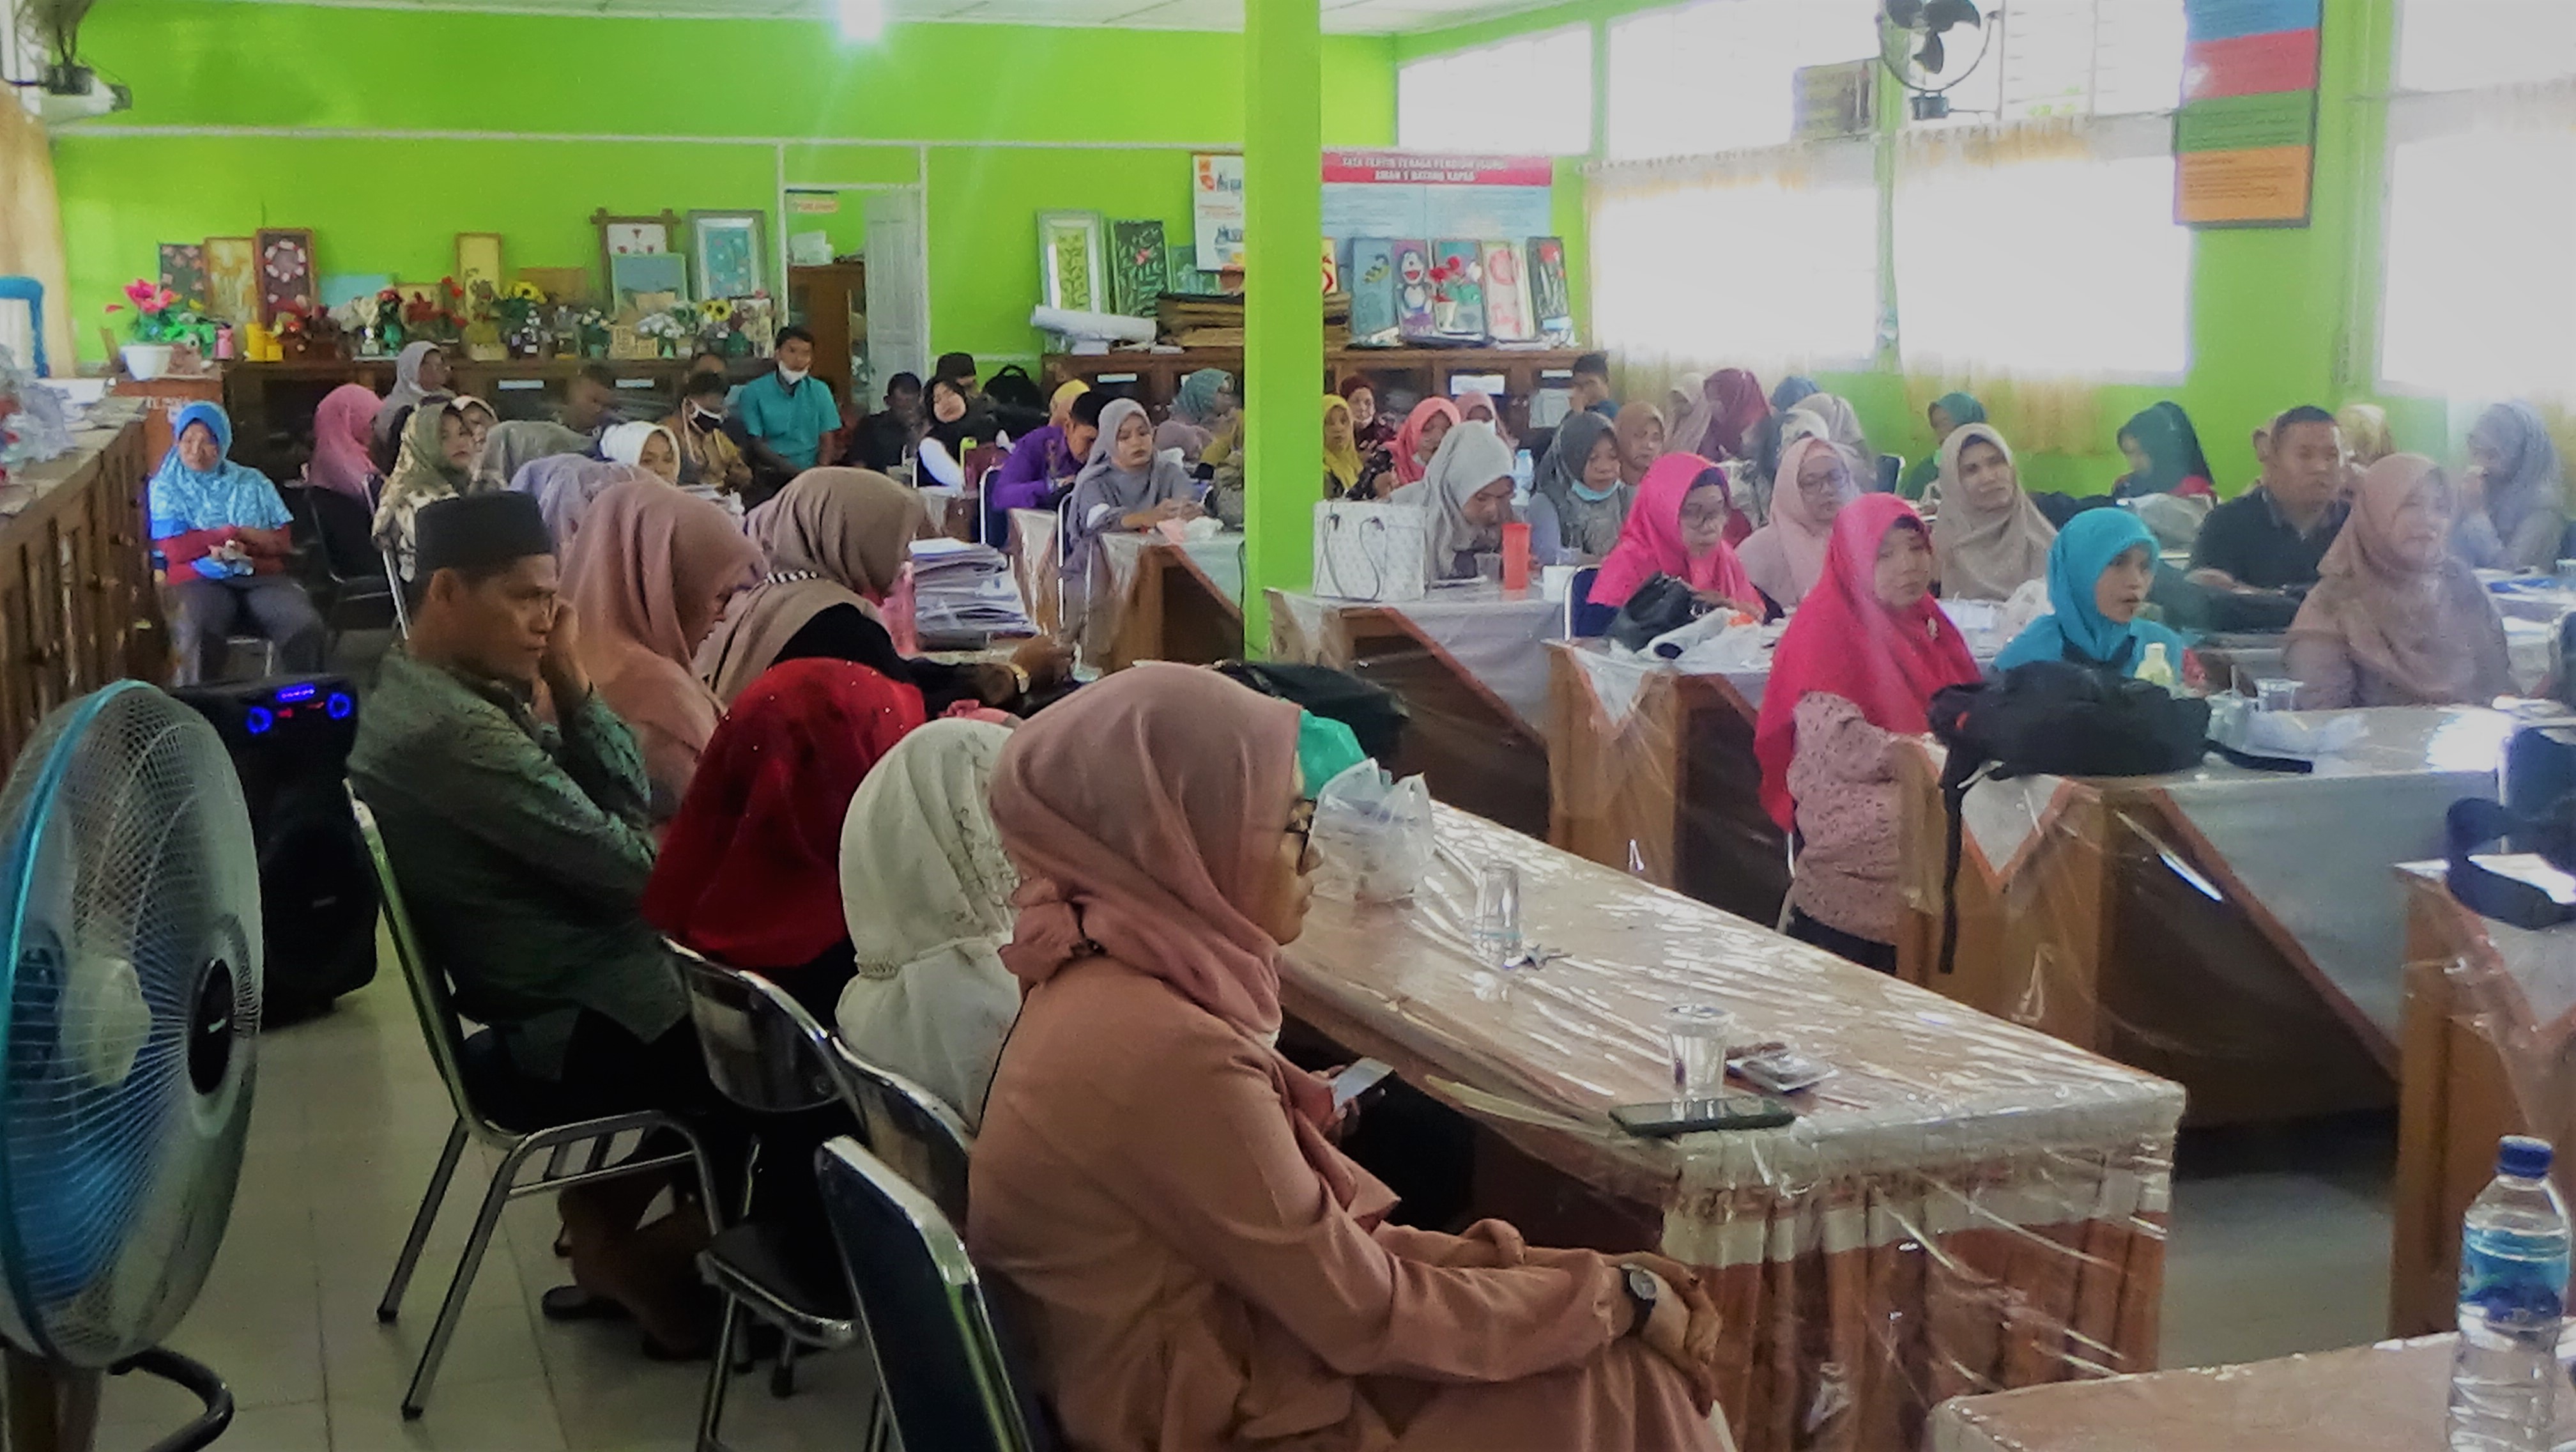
<point>963,591</point>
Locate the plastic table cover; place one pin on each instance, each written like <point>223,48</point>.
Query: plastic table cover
<point>1965,1205</point>
<point>1034,564</point>
<point>2383,1398</point>
<point>2311,852</point>
<point>1494,636</point>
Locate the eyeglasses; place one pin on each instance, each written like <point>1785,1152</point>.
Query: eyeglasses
<point>1301,825</point>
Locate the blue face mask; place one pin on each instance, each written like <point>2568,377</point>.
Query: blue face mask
<point>1589,496</point>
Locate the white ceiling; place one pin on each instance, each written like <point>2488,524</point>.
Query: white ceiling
<point>1348,17</point>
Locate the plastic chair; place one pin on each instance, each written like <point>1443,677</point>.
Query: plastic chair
<point>1585,620</point>
<point>766,1054</point>
<point>952,1386</point>
<point>31,292</point>
<point>479,1085</point>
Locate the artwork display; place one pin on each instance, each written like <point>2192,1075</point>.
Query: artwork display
<point>2245,139</point>
<point>1181,270</point>
<point>1414,292</point>
<point>1332,268</point>
<point>1137,267</point>
<point>1369,276</point>
<point>1072,261</point>
<point>727,250</point>
<point>286,278</point>
<point>183,271</point>
<point>1458,289</point>
<point>1551,298</point>
<point>632,237</point>
<point>232,279</point>
<point>478,259</point>
<point>650,281</point>
<point>1507,294</point>
<point>1216,209</point>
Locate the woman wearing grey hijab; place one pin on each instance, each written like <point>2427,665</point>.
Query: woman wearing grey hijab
<point>2513,494</point>
<point>1577,502</point>
<point>1465,495</point>
<point>520,442</point>
<point>1126,485</point>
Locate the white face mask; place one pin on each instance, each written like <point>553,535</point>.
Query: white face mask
<point>793,376</point>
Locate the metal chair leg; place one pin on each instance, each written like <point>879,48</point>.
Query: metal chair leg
<point>880,1423</point>
<point>782,1376</point>
<point>430,1201</point>
<point>719,1378</point>
<point>452,1309</point>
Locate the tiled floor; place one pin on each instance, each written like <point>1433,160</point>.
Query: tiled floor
<point>348,1121</point>
<point>2280,1244</point>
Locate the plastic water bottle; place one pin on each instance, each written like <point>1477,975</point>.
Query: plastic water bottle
<point>2157,668</point>
<point>2513,1288</point>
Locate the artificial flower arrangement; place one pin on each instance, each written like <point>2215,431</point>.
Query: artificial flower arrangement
<point>308,331</point>
<point>159,317</point>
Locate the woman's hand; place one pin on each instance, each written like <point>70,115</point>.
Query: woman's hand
<point>1685,1326</point>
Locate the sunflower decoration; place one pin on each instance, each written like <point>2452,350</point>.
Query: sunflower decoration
<point>716,310</point>
<point>526,292</point>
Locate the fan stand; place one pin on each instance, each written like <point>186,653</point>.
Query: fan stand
<point>50,1407</point>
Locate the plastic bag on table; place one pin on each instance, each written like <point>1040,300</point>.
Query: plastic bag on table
<point>1374,834</point>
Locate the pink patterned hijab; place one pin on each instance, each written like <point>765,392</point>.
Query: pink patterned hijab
<point>343,428</point>
<point>647,559</point>
<point>1140,812</point>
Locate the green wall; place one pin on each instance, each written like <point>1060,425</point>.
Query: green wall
<point>574,113</point>
<point>2272,321</point>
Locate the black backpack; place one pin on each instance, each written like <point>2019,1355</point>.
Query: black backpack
<point>2053,718</point>
<point>1375,714</point>
<point>1012,387</point>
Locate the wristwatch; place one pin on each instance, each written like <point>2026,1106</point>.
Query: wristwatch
<point>1643,1291</point>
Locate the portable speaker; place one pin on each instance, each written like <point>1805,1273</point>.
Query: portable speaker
<point>289,737</point>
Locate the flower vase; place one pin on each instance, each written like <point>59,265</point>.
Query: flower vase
<point>146,361</point>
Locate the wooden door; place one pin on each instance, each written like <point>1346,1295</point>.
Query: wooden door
<point>822,299</point>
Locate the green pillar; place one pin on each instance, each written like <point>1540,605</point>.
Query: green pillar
<point>1283,353</point>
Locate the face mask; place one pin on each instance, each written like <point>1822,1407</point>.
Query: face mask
<point>793,376</point>
<point>1591,496</point>
<point>703,421</point>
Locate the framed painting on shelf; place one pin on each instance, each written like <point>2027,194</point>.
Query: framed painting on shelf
<point>650,280</point>
<point>286,278</point>
<point>1073,261</point>
<point>632,237</point>
<point>183,271</point>
<point>726,254</point>
<point>232,279</point>
<point>478,259</point>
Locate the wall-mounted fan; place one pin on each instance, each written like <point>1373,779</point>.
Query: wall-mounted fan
<point>67,90</point>
<point>1926,45</point>
<point>130,984</point>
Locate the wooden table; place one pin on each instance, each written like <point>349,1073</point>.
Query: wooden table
<point>2486,1053</point>
<point>2384,1398</point>
<point>1651,771</point>
<point>2223,927</point>
<point>77,605</point>
<point>1964,1206</point>
<point>1167,601</point>
<point>1468,665</point>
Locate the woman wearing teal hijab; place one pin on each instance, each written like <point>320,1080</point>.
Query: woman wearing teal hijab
<point>1199,407</point>
<point>2098,575</point>
<point>1947,414</point>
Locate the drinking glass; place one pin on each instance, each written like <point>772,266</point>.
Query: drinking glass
<point>1498,914</point>
<point>1700,1033</point>
<point>2276,693</point>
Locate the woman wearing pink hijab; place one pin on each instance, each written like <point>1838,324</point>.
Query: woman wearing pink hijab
<point>343,429</point>
<point>1207,1270</point>
<point>1678,527</point>
<point>1418,439</point>
<point>648,577</point>
<point>1786,557</point>
<point>1475,405</point>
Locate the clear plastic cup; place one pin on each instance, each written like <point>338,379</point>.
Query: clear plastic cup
<point>2276,693</point>
<point>1701,1034</point>
<point>1498,914</point>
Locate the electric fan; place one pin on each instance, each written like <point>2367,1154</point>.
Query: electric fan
<point>130,941</point>
<point>1914,48</point>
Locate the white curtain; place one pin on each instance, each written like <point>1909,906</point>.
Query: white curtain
<point>1527,96</point>
<point>1765,259</point>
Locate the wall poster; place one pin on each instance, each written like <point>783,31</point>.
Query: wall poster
<point>2245,138</point>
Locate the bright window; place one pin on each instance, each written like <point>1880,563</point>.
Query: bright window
<point>1531,96</point>
<point>1719,75</point>
<point>1751,272</point>
<point>2066,267</point>
<point>2480,298</point>
<point>2449,45</point>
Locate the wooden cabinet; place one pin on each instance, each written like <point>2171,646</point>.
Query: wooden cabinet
<point>77,604</point>
<point>832,303</point>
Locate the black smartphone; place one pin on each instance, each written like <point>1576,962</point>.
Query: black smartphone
<point>1666,1118</point>
<point>1356,1083</point>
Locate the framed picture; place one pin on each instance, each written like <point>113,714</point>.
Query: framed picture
<point>1073,261</point>
<point>725,249</point>
<point>286,278</point>
<point>1136,274</point>
<point>631,237</point>
<point>478,259</point>
<point>647,281</point>
<point>232,279</point>
<point>183,271</point>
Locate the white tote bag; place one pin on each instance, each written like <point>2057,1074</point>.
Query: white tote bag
<point>1369,551</point>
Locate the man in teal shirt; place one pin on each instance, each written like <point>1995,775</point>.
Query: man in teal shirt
<point>780,418</point>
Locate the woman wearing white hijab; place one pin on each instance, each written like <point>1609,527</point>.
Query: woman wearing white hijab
<point>927,893</point>
<point>648,447</point>
<point>420,374</point>
<point>1466,499</point>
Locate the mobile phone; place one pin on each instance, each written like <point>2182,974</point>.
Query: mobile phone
<point>1665,1118</point>
<point>1358,1080</point>
<point>1779,1069</point>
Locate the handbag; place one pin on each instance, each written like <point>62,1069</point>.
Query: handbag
<point>1370,551</point>
<point>2537,816</point>
<point>1661,604</point>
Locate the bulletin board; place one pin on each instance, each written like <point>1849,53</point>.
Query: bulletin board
<point>2245,138</point>
<point>1411,194</point>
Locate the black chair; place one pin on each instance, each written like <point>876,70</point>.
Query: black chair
<point>952,1384</point>
<point>348,579</point>
<point>1585,620</point>
<point>1891,469</point>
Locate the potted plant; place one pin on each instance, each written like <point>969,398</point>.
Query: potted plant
<point>158,324</point>
<point>516,308</point>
